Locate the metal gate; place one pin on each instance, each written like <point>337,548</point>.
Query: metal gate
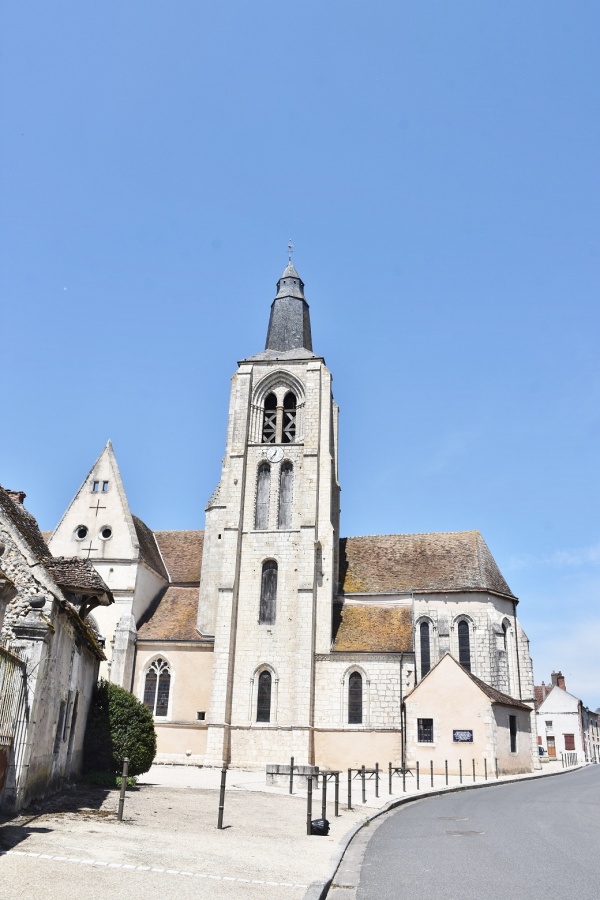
<point>13,717</point>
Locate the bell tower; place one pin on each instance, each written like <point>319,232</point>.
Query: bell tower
<point>270,558</point>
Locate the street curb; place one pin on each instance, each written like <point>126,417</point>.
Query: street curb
<point>318,890</point>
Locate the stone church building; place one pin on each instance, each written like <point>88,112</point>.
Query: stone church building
<point>267,635</point>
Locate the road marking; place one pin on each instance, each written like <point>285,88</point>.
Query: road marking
<point>78,861</point>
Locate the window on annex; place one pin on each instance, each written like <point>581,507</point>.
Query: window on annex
<point>286,486</point>
<point>424,638</point>
<point>157,687</point>
<point>269,432</point>
<point>464,645</point>
<point>569,741</point>
<point>425,731</point>
<point>355,699</point>
<point>263,700</point>
<point>268,593</point>
<point>288,431</point>
<point>512,726</point>
<point>263,487</point>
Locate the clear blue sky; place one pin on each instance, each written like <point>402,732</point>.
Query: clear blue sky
<point>436,166</point>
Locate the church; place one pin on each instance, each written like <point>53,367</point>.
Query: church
<point>267,635</point>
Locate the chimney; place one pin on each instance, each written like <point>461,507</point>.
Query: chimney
<point>544,691</point>
<point>558,680</point>
<point>16,496</point>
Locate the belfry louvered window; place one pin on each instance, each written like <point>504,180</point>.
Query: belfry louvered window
<point>355,699</point>
<point>286,490</point>
<point>288,434</point>
<point>424,636</point>
<point>157,687</point>
<point>263,702</point>
<point>464,645</point>
<point>270,420</point>
<point>268,593</point>
<point>263,486</point>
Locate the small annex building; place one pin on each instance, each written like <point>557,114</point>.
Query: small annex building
<point>452,716</point>
<point>49,657</point>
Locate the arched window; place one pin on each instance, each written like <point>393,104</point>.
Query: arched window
<point>288,432</point>
<point>286,486</point>
<point>270,420</point>
<point>424,637</point>
<point>505,636</point>
<point>355,699</point>
<point>464,645</point>
<point>268,593</point>
<point>157,687</point>
<point>263,487</point>
<point>263,701</point>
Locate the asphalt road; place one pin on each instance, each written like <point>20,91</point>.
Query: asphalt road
<point>535,840</point>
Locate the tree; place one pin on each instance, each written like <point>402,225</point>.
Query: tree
<point>118,725</point>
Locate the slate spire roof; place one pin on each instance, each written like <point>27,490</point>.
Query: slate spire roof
<point>289,324</point>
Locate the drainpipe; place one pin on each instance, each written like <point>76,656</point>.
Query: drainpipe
<point>402,741</point>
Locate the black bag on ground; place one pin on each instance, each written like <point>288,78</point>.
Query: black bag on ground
<point>320,826</point>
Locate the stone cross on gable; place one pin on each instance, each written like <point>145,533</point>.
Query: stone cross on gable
<point>97,506</point>
<point>90,550</point>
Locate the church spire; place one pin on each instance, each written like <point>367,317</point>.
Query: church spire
<point>289,325</point>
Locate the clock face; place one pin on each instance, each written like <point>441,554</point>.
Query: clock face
<point>275,454</point>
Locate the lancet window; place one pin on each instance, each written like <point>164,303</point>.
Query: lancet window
<point>268,593</point>
<point>464,645</point>
<point>288,433</point>
<point>157,687</point>
<point>425,647</point>
<point>263,700</point>
<point>263,487</point>
<point>269,433</point>
<point>355,699</point>
<point>286,490</point>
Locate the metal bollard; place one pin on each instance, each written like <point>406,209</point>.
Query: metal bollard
<point>349,788</point>
<point>417,776</point>
<point>292,775</point>
<point>309,785</point>
<point>473,771</point>
<point>403,778</point>
<point>222,797</point>
<point>324,798</point>
<point>337,793</point>
<point>485,767</point>
<point>431,771</point>
<point>446,768</point>
<point>377,779</point>
<point>390,777</point>
<point>364,785</point>
<point>460,769</point>
<point>123,788</point>
<point>496,767</point>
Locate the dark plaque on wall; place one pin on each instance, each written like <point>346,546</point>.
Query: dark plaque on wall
<point>462,736</point>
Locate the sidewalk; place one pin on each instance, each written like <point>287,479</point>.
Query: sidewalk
<point>169,843</point>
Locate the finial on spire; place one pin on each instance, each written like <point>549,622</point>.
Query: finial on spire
<point>290,249</point>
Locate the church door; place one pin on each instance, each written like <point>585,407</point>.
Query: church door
<point>551,747</point>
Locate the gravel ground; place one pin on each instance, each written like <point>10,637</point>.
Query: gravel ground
<point>168,842</point>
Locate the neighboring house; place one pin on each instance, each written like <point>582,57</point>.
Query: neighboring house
<point>564,724</point>
<point>454,718</point>
<point>267,636</point>
<point>49,657</point>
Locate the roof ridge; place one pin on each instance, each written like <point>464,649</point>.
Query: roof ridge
<point>410,534</point>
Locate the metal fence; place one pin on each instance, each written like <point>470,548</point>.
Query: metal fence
<point>13,716</point>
